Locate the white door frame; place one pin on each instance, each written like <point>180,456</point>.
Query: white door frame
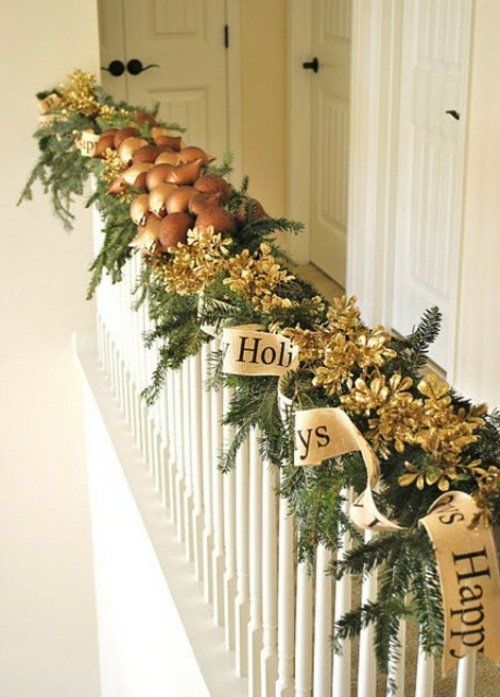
<point>234,89</point>
<point>298,127</point>
<point>375,59</point>
<point>373,161</point>
<point>373,152</point>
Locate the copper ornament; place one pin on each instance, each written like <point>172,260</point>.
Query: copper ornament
<point>174,228</point>
<point>218,218</point>
<point>123,133</point>
<point>131,174</point>
<point>147,234</point>
<point>186,174</point>
<point>106,142</point>
<point>213,184</point>
<point>118,186</point>
<point>174,142</point>
<point>139,209</point>
<point>158,198</point>
<point>148,153</point>
<point>128,147</point>
<point>178,201</point>
<point>157,175</point>
<point>167,157</point>
<point>193,153</point>
<point>140,182</point>
<point>200,202</point>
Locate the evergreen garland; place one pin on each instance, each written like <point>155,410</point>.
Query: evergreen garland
<point>408,582</point>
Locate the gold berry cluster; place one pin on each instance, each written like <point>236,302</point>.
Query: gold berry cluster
<point>348,361</point>
<point>193,265</point>
<point>113,166</point>
<point>80,94</point>
<point>443,432</point>
<point>341,347</point>
<point>429,420</point>
<point>256,277</point>
<point>488,481</point>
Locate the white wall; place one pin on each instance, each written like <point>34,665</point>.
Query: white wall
<point>144,649</point>
<point>47,625</point>
<point>263,68</point>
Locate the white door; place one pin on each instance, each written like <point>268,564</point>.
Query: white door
<point>331,32</point>
<point>185,38</point>
<point>435,53</point>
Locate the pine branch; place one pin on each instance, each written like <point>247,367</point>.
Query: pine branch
<point>419,341</point>
<point>223,169</point>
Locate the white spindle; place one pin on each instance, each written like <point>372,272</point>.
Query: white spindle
<point>269,657</point>
<point>241,602</point>
<point>142,373</point>
<point>164,457</point>
<point>171,461</point>
<point>367,669</point>
<point>187,461</point>
<point>217,508</point>
<point>126,413</point>
<point>466,676</point>
<point>286,597</point>
<point>228,481</point>
<point>206,454</point>
<point>303,632</point>
<point>196,463</point>
<point>322,661</point>
<point>341,669</point>
<point>424,686</point>
<point>179,456</point>
<point>255,566</point>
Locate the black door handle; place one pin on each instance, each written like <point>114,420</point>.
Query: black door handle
<point>454,113</point>
<point>135,66</point>
<point>116,68</point>
<point>311,65</point>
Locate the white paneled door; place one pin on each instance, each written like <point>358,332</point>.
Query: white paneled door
<point>435,52</point>
<point>183,42</point>
<point>331,31</point>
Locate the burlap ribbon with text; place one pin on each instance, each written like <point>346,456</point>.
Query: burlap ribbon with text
<point>248,350</point>
<point>465,556</point>
<point>48,103</point>
<point>87,143</point>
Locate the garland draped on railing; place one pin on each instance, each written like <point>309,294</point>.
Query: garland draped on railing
<point>358,409</point>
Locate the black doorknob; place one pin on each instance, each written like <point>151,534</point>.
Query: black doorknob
<point>311,65</point>
<point>454,113</point>
<point>135,66</point>
<point>116,68</point>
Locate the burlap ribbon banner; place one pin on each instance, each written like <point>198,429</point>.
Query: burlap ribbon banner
<point>468,573</point>
<point>248,350</point>
<point>466,557</point>
<point>48,103</point>
<point>321,434</point>
<point>87,143</point>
